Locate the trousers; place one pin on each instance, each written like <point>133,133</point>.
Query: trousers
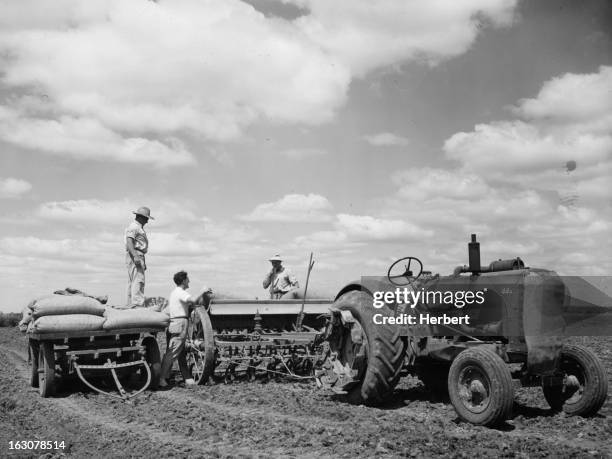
<point>177,335</point>
<point>136,282</point>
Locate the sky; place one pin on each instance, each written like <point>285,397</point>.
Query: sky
<point>362,131</point>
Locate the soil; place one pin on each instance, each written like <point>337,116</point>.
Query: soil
<point>281,419</point>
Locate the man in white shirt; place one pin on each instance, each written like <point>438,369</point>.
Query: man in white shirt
<point>279,279</point>
<point>136,246</point>
<point>180,305</point>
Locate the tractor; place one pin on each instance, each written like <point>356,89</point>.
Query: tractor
<point>512,336</point>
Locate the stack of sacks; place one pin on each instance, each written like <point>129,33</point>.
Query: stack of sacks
<point>61,313</point>
<point>134,318</point>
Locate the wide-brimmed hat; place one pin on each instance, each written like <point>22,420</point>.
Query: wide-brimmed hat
<point>276,258</point>
<point>144,211</point>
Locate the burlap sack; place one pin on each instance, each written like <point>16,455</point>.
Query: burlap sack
<point>67,323</point>
<point>26,318</point>
<point>54,305</point>
<point>134,318</point>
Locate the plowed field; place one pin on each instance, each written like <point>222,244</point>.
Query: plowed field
<point>280,419</point>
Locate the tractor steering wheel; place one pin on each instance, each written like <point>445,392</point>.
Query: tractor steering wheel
<point>406,274</point>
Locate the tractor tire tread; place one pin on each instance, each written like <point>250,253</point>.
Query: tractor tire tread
<point>386,353</point>
<point>502,388</point>
<point>597,392</point>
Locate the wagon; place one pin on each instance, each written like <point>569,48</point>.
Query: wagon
<point>90,355</point>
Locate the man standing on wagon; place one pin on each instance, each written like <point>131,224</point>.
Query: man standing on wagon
<point>136,246</point>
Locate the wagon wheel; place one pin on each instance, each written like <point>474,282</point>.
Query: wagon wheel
<point>34,349</point>
<point>201,346</point>
<point>153,359</point>
<point>46,370</point>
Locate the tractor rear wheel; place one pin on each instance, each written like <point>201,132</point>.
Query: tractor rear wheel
<point>480,387</point>
<point>375,353</point>
<point>585,387</point>
<point>201,354</point>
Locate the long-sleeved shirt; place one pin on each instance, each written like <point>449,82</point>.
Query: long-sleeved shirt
<point>280,282</point>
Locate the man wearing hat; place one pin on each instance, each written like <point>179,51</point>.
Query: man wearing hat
<point>136,246</point>
<point>279,279</point>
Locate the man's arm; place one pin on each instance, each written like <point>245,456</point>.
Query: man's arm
<point>268,279</point>
<point>199,300</point>
<point>133,252</point>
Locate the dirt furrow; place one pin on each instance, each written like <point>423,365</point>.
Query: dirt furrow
<point>94,423</point>
<point>282,419</point>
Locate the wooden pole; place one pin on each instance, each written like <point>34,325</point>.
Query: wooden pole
<point>300,318</point>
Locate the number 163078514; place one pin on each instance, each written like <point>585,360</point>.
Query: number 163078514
<point>36,444</point>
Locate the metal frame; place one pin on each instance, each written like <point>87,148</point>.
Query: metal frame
<point>69,355</point>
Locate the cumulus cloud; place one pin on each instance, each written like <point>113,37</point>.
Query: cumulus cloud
<point>575,99</point>
<point>292,208</point>
<point>86,138</point>
<point>366,35</point>
<point>353,231</point>
<point>113,212</point>
<point>428,183</point>
<point>368,228</point>
<point>510,219</point>
<point>554,216</point>
<point>504,148</point>
<point>205,67</point>
<point>13,188</point>
<point>64,249</point>
<point>386,139</point>
<point>146,73</point>
<point>85,210</point>
<point>449,200</point>
<point>569,119</point>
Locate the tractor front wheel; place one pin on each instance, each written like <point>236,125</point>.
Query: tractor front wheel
<point>480,387</point>
<point>585,385</point>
